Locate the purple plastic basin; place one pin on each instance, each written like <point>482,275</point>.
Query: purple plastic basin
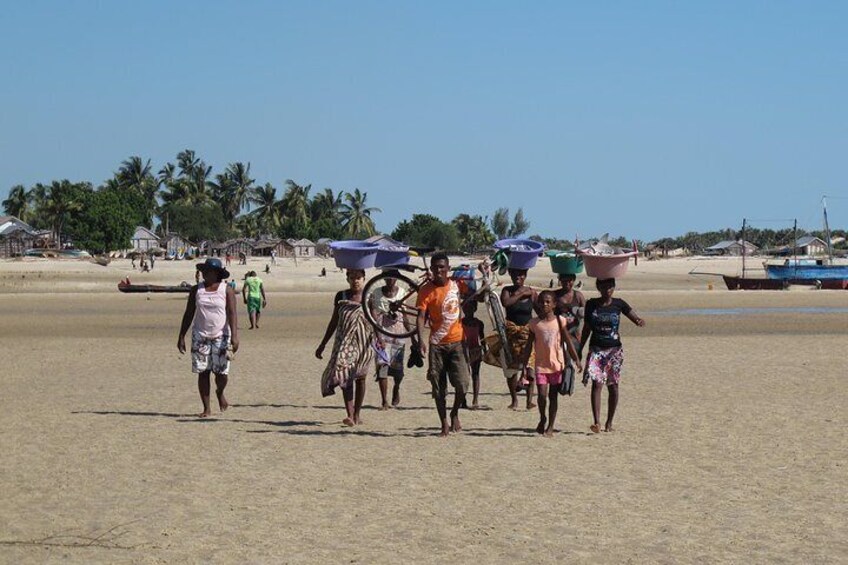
<point>392,255</point>
<point>523,253</point>
<point>354,254</point>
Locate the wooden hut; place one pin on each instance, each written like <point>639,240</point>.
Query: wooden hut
<point>301,247</point>
<point>144,240</point>
<point>16,236</point>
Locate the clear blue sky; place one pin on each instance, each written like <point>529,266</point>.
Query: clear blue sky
<point>637,118</point>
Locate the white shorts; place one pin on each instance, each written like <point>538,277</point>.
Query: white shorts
<point>210,354</point>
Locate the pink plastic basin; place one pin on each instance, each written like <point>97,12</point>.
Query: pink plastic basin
<point>607,266</point>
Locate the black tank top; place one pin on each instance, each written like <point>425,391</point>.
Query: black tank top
<point>521,312</point>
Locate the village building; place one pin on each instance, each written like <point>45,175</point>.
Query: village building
<point>16,236</point>
<point>301,248</point>
<point>731,248</point>
<point>811,245</point>
<point>144,240</point>
<point>322,247</point>
<point>176,245</point>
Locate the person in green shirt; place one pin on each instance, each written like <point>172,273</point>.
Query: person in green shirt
<point>253,293</point>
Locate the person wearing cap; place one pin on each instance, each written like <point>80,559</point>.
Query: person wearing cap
<point>211,311</point>
<point>253,293</point>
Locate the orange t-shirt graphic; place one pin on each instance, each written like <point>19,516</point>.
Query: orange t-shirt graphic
<point>442,303</point>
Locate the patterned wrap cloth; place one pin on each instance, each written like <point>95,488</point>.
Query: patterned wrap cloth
<point>518,338</point>
<point>353,349</point>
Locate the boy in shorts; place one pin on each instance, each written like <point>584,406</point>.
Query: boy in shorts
<point>440,299</point>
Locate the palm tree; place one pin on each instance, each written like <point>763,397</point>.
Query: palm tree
<point>18,203</point>
<point>233,190</point>
<point>326,206</point>
<point>356,215</point>
<point>134,174</point>
<point>473,231</point>
<point>295,202</point>
<point>62,200</point>
<point>268,211</point>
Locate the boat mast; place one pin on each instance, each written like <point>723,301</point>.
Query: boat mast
<point>743,247</point>
<point>795,246</point>
<point>827,232</point>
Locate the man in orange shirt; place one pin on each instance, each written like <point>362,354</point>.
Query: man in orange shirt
<point>440,299</point>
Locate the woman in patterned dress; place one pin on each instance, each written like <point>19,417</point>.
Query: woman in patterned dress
<point>352,358</point>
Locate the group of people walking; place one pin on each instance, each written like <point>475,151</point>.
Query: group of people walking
<point>547,333</point>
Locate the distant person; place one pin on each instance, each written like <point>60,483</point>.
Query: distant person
<point>152,261</point>
<point>228,258</point>
<point>132,261</point>
<point>393,349</point>
<point>211,307</point>
<point>473,331</point>
<point>439,299</point>
<point>253,293</point>
<point>242,258</point>
<point>603,364</point>
<point>267,269</point>
<point>274,257</point>
<point>323,272</point>
<point>353,352</point>
<point>549,333</point>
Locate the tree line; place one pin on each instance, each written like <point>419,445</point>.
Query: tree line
<point>185,197</point>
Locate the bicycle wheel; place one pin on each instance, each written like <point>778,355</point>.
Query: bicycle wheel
<point>496,313</point>
<point>395,314</point>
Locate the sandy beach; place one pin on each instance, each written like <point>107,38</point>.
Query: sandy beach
<point>731,439</point>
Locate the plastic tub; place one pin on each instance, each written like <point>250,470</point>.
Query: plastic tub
<point>607,266</point>
<point>523,253</point>
<point>564,263</point>
<point>354,254</point>
<point>392,255</point>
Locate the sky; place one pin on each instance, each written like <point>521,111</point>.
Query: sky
<point>644,119</point>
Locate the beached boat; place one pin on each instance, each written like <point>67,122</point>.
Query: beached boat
<point>125,286</point>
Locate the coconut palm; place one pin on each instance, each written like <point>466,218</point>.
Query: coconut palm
<point>473,231</point>
<point>62,199</point>
<point>233,190</point>
<point>134,174</point>
<point>356,215</point>
<point>268,210</point>
<point>326,206</point>
<point>18,203</point>
<point>295,202</point>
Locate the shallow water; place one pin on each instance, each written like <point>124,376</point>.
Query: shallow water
<point>748,311</point>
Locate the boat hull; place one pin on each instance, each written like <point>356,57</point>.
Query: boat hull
<point>739,283</point>
<point>807,272</point>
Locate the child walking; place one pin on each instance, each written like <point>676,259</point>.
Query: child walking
<point>212,307</point>
<point>473,330</point>
<point>548,333</point>
<point>603,365</point>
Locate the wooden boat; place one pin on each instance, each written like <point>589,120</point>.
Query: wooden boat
<point>125,286</point>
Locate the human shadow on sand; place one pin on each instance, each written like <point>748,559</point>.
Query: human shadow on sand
<point>192,418</point>
<point>325,407</point>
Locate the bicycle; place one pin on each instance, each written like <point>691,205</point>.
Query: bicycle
<point>396,316</point>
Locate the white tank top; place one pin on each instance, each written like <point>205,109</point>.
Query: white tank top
<point>210,316</point>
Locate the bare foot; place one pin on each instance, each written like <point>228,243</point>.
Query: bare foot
<point>348,422</point>
<point>456,426</point>
<point>540,429</point>
<point>204,414</point>
<point>222,403</point>
<point>608,428</point>
<point>357,420</point>
<point>531,406</point>
<point>384,407</point>
<point>475,406</point>
<point>596,428</point>
<point>549,432</point>
<point>445,431</point>
<point>513,406</point>
<point>395,402</point>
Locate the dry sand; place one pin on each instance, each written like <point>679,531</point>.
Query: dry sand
<point>730,442</point>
